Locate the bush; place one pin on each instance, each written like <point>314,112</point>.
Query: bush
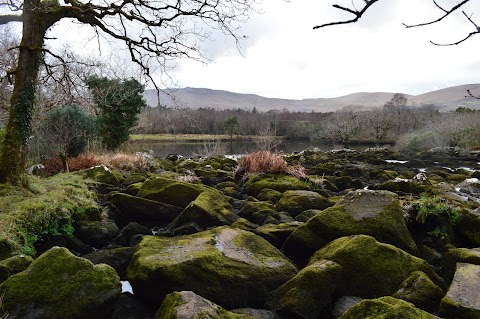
<point>66,131</point>
<point>418,142</point>
<point>268,162</point>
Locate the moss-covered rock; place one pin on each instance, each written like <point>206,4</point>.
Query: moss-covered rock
<point>276,234</point>
<point>132,189</point>
<point>96,233</point>
<point>134,179</point>
<point>370,268</point>
<point>278,182</point>
<point>463,297</point>
<point>468,227</point>
<point>244,224</point>
<point>124,238</point>
<point>13,265</point>
<point>256,211</point>
<point>403,186</point>
<point>59,285</point>
<point>170,191</point>
<point>458,255</point>
<point>346,182</point>
<point>189,305</point>
<point>210,208</point>
<point>255,313</point>
<point>308,293</point>
<point>118,258</point>
<point>421,291</point>
<point>268,194</point>
<point>138,209</point>
<point>386,308</point>
<point>104,175</point>
<point>374,213</point>
<point>296,201</point>
<point>343,304</point>
<point>230,267</point>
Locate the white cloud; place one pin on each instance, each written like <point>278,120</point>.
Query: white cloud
<point>286,58</point>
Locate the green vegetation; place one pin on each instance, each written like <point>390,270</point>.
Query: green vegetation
<point>118,103</point>
<point>48,207</point>
<point>432,206</point>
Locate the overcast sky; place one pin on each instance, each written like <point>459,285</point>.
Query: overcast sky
<point>283,57</point>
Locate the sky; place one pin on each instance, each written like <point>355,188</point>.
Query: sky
<point>283,57</point>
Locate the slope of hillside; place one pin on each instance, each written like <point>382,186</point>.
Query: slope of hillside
<point>446,99</point>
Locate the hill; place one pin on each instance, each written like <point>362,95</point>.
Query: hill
<point>445,99</point>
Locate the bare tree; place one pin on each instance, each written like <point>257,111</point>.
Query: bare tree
<point>444,12</point>
<point>153,32</point>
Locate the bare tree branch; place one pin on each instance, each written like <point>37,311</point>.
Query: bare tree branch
<point>446,14</point>
<point>5,19</point>
<point>358,14</point>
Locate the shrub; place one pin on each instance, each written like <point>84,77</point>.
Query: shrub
<point>428,206</point>
<point>268,162</point>
<point>66,131</point>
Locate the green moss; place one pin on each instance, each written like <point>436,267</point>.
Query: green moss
<point>170,191</point>
<point>386,308</point>
<point>278,182</point>
<point>377,214</point>
<point>268,194</point>
<point>187,304</point>
<point>210,208</point>
<point>230,267</point>
<point>47,208</point>
<point>13,265</point>
<point>372,269</point>
<point>296,201</point>
<point>58,283</point>
<point>456,255</point>
<point>104,175</point>
<point>421,291</point>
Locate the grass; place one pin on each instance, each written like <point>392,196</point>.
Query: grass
<point>47,207</point>
<point>184,137</point>
<point>268,162</point>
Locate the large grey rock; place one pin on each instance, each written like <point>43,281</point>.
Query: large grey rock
<point>370,268</point>
<point>463,297</point>
<point>231,267</point>
<point>58,285</point>
<point>308,293</point>
<point>375,213</point>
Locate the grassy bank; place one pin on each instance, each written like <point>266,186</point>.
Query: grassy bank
<point>47,207</point>
<point>188,138</point>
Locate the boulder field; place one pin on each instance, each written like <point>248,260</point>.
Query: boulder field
<point>366,234</point>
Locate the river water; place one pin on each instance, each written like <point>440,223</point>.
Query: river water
<point>191,149</point>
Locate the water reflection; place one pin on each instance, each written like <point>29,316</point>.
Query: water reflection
<point>191,149</point>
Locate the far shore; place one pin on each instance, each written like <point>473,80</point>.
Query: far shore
<point>182,138</point>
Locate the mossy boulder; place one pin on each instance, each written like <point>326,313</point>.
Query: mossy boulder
<point>118,258</point>
<point>231,267</point>
<point>421,291</point>
<point>463,297</point>
<point>308,293</point>
<point>468,227</point>
<point>170,191</point>
<point>138,209</point>
<point>58,285</point>
<point>244,224</point>
<point>386,308</point>
<point>125,236</point>
<point>268,194</point>
<point>104,175</point>
<point>96,233</point>
<point>370,268</point>
<point>276,234</point>
<point>256,211</point>
<point>404,186</point>
<point>374,213</point>
<point>134,179</point>
<point>13,265</point>
<point>458,255</point>
<point>346,182</point>
<point>210,208</point>
<point>278,182</point>
<point>189,305</point>
<point>132,189</point>
<point>296,201</point>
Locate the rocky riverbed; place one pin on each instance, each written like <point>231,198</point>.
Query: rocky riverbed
<point>369,234</point>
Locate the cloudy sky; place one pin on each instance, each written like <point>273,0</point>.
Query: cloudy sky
<point>284,57</point>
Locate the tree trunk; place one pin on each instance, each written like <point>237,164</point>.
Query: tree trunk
<point>13,156</point>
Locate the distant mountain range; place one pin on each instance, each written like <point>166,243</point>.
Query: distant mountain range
<point>445,99</point>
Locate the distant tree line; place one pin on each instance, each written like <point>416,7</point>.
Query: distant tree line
<point>394,122</point>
